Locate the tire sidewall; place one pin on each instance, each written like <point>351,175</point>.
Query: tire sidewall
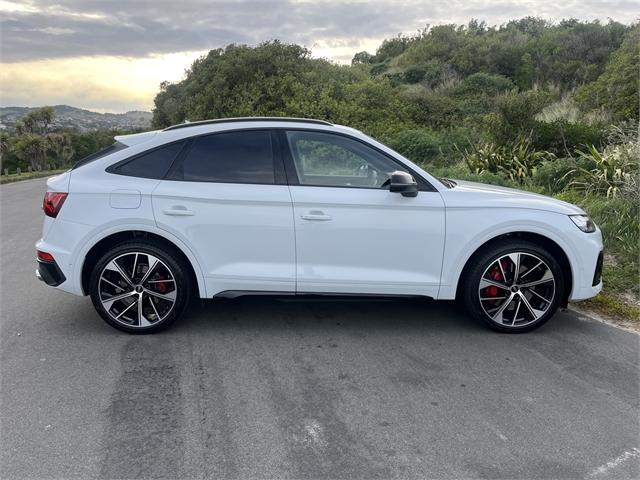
<point>489,256</point>
<point>174,264</point>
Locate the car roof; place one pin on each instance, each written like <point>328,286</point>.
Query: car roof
<point>189,129</point>
<point>188,124</point>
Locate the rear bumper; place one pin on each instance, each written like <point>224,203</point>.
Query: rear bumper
<point>50,273</point>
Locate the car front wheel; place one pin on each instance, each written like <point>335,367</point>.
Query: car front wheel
<point>514,287</point>
<point>139,287</point>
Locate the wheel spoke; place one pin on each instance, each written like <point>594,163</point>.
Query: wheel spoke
<point>531,270</point>
<point>536,313</point>
<point>108,303</point>
<point>102,279</point>
<point>487,282</point>
<point>484,299</point>
<point>504,275</point>
<point>153,305</point>
<point>531,290</point>
<point>125,310</point>
<point>153,265</point>
<point>515,258</point>
<point>161,281</point>
<point>499,313</point>
<point>515,315</point>
<point>142,320</point>
<point>113,266</point>
<point>133,272</point>
<point>170,297</point>
<point>547,277</point>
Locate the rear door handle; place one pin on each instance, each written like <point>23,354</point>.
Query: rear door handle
<point>178,211</point>
<point>316,215</point>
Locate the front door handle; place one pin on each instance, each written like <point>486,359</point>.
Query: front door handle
<point>316,215</point>
<point>178,211</point>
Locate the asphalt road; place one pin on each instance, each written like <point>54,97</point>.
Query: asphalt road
<point>251,388</point>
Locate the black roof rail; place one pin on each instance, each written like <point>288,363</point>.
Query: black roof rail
<point>247,119</point>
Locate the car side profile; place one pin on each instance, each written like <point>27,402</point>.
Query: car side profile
<point>296,206</point>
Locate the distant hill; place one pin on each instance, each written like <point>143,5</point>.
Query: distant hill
<point>80,119</point>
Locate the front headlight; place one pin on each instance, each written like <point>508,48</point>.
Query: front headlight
<point>584,223</point>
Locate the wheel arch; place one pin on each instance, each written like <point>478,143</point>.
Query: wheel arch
<point>101,245</point>
<point>549,244</point>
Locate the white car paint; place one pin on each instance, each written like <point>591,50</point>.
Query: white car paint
<point>302,238</point>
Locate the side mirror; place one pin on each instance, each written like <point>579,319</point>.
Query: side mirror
<point>402,182</point>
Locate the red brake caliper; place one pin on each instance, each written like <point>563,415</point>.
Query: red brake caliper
<point>495,274</point>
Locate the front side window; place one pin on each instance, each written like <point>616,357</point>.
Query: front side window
<point>230,157</point>
<point>153,164</point>
<point>324,159</point>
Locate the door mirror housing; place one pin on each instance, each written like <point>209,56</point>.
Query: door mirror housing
<point>402,182</point>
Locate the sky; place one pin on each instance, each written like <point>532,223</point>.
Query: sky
<point>111,55</point>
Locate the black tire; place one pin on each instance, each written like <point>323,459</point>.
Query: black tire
<point>177,269</point>
<point>486,258</point>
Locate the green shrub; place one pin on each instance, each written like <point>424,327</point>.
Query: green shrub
<point>611,172</point>
<point>414,73</point>
<point>379,69</point>
<point>483,84</point>
<point>419,145</point>
<point>516,161</point>
<point>553,175</point>
<point>563,138</point>
<point>460,171</point>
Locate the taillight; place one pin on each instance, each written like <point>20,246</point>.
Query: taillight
<point>52,203</point>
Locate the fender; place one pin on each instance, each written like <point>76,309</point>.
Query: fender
<point>452,269</point>
<point>90,242</point>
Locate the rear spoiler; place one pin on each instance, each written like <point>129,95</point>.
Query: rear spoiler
<point>135,138</point>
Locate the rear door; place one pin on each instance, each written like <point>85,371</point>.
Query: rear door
<point>226,197</point>
<point>352,234</point>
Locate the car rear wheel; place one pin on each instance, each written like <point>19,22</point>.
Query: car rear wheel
<point>516,286</point>
<point>139,287</point>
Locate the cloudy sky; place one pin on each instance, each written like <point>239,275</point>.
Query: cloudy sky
<point>111,55</point>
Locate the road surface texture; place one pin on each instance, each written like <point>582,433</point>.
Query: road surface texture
<point>264,387</point>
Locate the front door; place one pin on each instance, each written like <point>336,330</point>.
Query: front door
<point>352,234</point>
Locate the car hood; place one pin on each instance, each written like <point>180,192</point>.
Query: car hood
<point>479,195</point>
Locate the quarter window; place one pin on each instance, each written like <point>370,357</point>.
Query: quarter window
<point>153,164</point>
<point>323,159</point>
<point>231,157</point>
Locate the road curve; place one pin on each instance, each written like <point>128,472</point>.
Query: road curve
<point>255,388</point>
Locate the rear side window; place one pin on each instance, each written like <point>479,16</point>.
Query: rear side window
<point>100,153</point>
<point>230,157</point>
<point>153,164</point>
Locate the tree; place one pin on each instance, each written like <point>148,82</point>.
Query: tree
<point>37,121</point>
<point>616,90</point>
<point>361,58</point>
<point>32,150</point>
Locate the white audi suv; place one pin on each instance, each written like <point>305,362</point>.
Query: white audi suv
<point>301,207</point>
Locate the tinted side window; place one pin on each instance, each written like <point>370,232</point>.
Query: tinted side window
<point>324,159</point>
<point>231,157</point>
<point>153,164</point>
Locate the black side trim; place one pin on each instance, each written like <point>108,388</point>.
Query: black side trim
<point>50,273</point>
<point>597,276</point>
